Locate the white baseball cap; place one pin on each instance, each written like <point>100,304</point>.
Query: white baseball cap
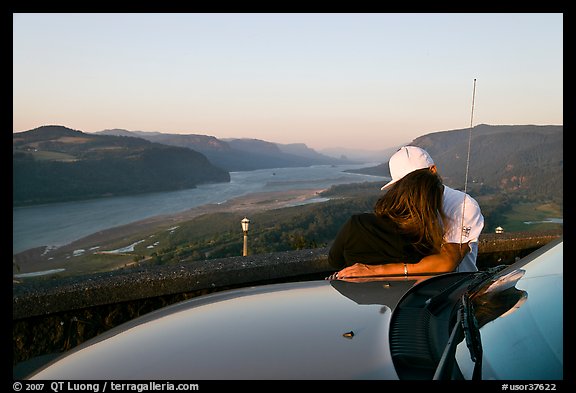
<point>407,159</point>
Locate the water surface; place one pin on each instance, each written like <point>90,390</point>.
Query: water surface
<point>58,224</point>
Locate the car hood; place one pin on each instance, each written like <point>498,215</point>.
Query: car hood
<point>304,330</point>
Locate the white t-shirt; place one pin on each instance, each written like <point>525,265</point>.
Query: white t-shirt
<point>459,232</point>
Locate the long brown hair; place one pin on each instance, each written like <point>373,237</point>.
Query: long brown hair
<point>414,203</point>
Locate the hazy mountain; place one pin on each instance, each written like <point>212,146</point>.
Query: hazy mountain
<point>360,155</point>
<point>523,160</point>
<point>55,163</point>
<point>300,149</point>
<point>241,154</point>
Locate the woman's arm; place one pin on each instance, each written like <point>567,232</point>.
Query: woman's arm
<point>446,261</point>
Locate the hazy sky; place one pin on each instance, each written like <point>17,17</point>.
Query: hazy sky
<point>366,81</point>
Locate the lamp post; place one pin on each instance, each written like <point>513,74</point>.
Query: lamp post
<point>245,223</point>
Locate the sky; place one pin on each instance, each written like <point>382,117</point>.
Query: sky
<point>329,80</point>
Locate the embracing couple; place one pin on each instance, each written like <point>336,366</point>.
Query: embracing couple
<point>418,226</point>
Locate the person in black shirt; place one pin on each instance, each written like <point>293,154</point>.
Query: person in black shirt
<point>405,226</point>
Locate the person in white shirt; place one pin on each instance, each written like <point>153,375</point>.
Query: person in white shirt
<point>461,231</point>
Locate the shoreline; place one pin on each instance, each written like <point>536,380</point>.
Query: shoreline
<point>40,258</point>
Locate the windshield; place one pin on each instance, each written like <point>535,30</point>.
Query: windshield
<point>519,314</point>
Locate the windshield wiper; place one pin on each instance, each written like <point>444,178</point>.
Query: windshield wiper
<point>469,323</point>
<point>472,334</point>
<point>466,327</point>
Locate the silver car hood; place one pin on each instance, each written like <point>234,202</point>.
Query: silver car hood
<point>305,330</point>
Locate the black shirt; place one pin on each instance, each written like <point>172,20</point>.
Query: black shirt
<point>372,240</point>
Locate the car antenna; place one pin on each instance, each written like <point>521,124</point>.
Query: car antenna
<point>463,230</point>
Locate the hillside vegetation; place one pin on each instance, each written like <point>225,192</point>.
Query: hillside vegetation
<point>519,161</point>
<point>55,164</point>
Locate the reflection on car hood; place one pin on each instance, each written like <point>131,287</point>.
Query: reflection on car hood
<point>307,330</point>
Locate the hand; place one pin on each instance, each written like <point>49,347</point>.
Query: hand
<point>356,270</point>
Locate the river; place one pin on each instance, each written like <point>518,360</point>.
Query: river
<point>58,224</point>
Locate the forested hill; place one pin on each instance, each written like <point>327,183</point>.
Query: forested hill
<point>55,163</point>
<point>520,160</point>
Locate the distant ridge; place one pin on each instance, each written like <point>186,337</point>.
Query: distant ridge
<point>240,154</point>
<point>522,160</point>
<point>56,163</point>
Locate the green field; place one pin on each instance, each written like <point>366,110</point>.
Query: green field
<point>515,219</point>
<point>53,156</point>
